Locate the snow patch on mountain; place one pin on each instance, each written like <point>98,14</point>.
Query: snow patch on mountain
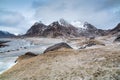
<point>78,24</point>
<point>63,22</point>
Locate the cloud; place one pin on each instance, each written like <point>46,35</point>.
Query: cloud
<point>17,16</point>
<point>101,13</point>
<point>110,4</point>
<point>8,18</point>
<point>14,22</point>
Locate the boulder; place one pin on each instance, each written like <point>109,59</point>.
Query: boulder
<point>26,56</point>
<point>117,39</point>
<point>58,46</point>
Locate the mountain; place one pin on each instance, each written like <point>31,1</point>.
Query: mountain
<point>36,30</point>
<point>62,28</point>
<point>87,29</point>
<point>116,30</point>
<point>4,34</point>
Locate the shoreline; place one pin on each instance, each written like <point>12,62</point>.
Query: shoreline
<point>8,65</point>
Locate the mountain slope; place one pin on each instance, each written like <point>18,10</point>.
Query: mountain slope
<point>88,29</point>
<point>62,28</point>
<point>4,34</point>
<point>115,30</point>
<point>36,30</point>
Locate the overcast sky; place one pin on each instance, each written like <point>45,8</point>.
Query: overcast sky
<point>16,16</point>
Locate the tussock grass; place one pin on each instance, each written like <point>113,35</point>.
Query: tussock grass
<point>68,64</point>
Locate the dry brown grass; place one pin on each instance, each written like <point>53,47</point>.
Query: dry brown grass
<point>67,64</point>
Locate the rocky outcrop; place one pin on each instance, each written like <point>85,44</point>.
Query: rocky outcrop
<point>26,56</point>
<point>91,31</point>
<point>59,29</point>
<point>117,39</point>
<point>2,43</point>
<point>36,30</point>
<point>91,42</point>
<point>116,30</point>
<point>58,46</point>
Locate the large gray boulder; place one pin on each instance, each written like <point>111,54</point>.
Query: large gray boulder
<point>58,46</point>
<point>117,39</point>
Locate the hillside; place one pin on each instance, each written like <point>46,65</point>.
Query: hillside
<point>100,63</point>
<point>4,34</point>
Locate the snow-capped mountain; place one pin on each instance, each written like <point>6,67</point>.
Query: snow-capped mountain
<point>78,24</point>
<point>62,28</point>
<point>4,34</point>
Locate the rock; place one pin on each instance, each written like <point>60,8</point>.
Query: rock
<point>30,54</point>
<point>91,42</point>
<point>26,56</point>
<point>2,43</point>
<point>115,30</point>
<point>57,46</point>
<point>117,39</point>
<point>36,30</point>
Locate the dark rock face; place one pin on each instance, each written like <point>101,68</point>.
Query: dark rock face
<point>36,30</point>
<point>4,34</point>
<point>115,30</point>
<point>62,28</point>
<point>58,46</point>
<point>117,39</point>
<point>30,54</point>
<point>91,31</point>
<point>56,29</point>
<point>2,43</point>
<point>26,56</point>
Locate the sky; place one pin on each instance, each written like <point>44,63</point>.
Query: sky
<point>17,16</point>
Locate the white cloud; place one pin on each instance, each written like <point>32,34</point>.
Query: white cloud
<point>98,13</point>
<point>15,22</point>
<point>101,13</point>
<point>9,18</point>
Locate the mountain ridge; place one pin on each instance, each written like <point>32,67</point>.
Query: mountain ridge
<point>5,34</point>
<point>62,28</point>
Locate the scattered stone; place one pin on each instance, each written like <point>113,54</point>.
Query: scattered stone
<point>30,54</point>
<point>57,46</point>
<point>117,39</point>
<point>26,56</point>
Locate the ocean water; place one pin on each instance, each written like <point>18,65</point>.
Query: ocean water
<point>18,47</point>
<point>6,63</point>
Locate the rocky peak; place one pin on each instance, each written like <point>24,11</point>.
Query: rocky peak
<point>64,23</point>
<point>37,29</point>
<point>115,30</point>
<point>78,24</point>
<point>62,28</point>
<point>89,26</point>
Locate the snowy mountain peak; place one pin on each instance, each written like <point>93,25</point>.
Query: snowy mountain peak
<point>78,24</point>
<point>63,22</point>
<point>37,23</point>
